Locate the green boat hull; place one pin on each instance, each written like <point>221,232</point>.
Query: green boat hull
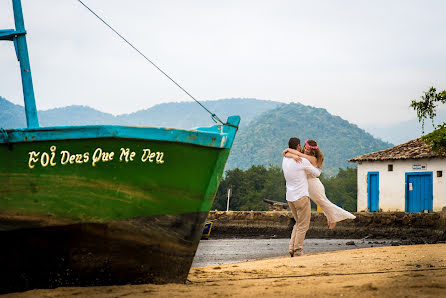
<point>103,211</point>
<point>184,180</point>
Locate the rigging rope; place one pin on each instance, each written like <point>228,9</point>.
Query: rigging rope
<point>213,116</point>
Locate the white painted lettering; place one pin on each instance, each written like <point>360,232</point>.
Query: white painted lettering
<point>78,158</point>
<point>53,155</point>
<point>152,155</point>
<point>145,155</point>
<point>33,158</point>
<point>159,157</point>
<point>124,154</point>
<point>106,156</point>
<point>127,155</point>
<point>65,157</point>
<point>149,156</point>
<point>96,156</point>
<point>44,159</point>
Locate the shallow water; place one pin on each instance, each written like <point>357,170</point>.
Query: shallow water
<point>227,251</point>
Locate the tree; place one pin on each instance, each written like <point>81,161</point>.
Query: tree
<point>426,108</point>
<point>342,189</point>
<point>235,180</point>
<point>251,186</point>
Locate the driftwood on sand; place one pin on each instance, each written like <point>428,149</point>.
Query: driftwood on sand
<point>276,206</point>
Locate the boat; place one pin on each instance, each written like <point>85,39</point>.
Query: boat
<point>207,229</point>
<point>102,204</point>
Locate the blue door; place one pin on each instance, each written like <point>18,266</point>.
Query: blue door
<point>373,191</point>
<point>419,192</point>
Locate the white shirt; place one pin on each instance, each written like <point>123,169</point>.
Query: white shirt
<point>296,177</point>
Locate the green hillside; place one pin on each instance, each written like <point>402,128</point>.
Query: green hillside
<point>190,114</point>
<point>263,141</point>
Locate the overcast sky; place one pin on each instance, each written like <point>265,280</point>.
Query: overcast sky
<point>361,60</point>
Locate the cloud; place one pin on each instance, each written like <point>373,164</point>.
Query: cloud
<point>363,61</point>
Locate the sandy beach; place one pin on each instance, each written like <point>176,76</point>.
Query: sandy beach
<point>397,271</point>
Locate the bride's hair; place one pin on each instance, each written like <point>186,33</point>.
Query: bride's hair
<point>315,151</point>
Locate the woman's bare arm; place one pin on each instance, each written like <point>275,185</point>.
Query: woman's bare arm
<point>293,152</point>
<point>297,158</point>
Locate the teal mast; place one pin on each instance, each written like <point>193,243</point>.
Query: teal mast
<point>18,36</point>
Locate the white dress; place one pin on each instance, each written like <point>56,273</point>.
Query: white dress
<point>331,211</point>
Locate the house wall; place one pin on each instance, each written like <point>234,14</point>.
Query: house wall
<point>392,184</point>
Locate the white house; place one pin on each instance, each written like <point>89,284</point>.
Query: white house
<point>409,177</point>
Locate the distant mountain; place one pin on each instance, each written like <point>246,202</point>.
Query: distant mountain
<point>174,114</point>
<point>75,115</point>
<point>404,131</point>
<point>11,115</point>
<point>263,141</point>
<point>190,114</point>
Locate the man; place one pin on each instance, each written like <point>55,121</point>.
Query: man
<point>297,195</point>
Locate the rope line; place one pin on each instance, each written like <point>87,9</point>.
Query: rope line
<point>213,115</point>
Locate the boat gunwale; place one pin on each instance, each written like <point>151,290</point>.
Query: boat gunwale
<point>217,136</point>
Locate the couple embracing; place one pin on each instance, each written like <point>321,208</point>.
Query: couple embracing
<point>301,168</point>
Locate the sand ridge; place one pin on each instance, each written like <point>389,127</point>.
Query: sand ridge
<point>398,271</point>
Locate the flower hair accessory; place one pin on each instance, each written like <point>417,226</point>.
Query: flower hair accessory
<point>309,146</point>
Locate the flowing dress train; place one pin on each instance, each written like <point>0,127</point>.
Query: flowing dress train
<point>331,211</point>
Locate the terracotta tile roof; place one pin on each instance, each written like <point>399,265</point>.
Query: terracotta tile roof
<point>414,149</point>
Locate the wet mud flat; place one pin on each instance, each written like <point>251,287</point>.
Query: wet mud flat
<point>227,251</point>
<point>392,271</point>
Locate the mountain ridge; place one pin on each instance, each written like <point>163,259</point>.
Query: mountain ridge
<point>164,114</point>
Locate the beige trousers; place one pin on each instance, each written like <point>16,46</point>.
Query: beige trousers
<point>301,210</point>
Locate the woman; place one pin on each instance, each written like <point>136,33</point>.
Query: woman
<point>316,189</point>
